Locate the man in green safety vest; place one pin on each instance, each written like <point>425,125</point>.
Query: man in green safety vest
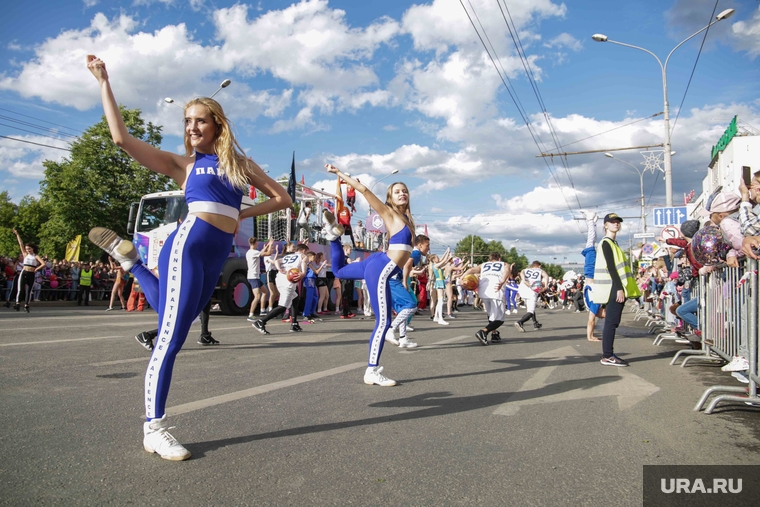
<point>85,282</point>
<point>613,283</point>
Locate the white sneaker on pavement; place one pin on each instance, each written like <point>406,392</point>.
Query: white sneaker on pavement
<point>374,375</point>
<point>409,328</point>
<point>406,343</point>
<point>442,322</point>
<point>158,439</point>
<point>390,336</point>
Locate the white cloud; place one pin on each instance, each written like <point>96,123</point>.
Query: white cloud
<point>20,159</point>
<point>390,128</point>
<point>747,34</point>
<point>90,3</point>
<point>564,40</point>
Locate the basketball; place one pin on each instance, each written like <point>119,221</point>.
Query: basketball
<point>469,282</point>
<point>294,274</point>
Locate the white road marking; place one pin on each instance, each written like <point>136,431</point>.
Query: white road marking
<point>247,393</point>
<point>434,345</point>
<point>629,390</point>
<point>60,341</point>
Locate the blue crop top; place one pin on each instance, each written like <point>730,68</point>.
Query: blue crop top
<point>206,189</point>
<point>402,240</point>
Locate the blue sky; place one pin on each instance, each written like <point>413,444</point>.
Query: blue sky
<point>375,86</point>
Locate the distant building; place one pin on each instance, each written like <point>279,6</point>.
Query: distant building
<point>736,155</point>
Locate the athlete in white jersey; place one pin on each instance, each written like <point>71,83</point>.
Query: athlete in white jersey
<point>532,281</point>
<point>287,289</point>
<point>493,276</point>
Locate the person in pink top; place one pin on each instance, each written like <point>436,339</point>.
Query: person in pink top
<point>722,212</point>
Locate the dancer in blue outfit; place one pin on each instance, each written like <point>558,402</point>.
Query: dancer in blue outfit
<point>215,174</point>
<point>379,267</point>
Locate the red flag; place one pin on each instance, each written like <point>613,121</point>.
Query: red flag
<point>302,180</point>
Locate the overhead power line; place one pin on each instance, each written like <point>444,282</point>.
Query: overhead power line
<point>38,144</point>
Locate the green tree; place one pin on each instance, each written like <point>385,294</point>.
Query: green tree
<point>8,212</point>
<point>96,185</point>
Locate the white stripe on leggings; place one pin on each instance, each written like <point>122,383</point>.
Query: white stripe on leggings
<point>169,318</point>
<point>383,306</point>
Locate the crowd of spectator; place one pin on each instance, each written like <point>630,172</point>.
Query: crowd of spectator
<point>60,279</point>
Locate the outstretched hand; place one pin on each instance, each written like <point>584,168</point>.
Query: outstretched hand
<point>331,168</point>
<point>97,67</point>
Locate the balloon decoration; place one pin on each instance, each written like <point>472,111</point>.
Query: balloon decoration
<point>708,245</point>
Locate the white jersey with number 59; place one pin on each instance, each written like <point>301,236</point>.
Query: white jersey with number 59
<point>491,273</point>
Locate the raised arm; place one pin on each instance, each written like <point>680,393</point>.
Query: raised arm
<point>156,160</point>
<point>267,250</point>
<point>20,243</point>
<point>379,206</point>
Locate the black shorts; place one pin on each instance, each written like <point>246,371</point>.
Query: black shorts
<point>272,275</point>
<point>321,282</point>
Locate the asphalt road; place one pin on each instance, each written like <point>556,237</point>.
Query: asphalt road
<point>285,419</point>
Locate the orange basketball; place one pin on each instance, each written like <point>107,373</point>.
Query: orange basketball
<point>294,274</point>
<point>469,282</point>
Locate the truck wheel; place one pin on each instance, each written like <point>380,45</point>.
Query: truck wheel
<point>237,297</point>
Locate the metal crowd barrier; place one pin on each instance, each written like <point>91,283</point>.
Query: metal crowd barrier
<point>728,318</point>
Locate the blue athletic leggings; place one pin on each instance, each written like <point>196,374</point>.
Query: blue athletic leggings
<point>189,266</point>
<point>312,297</point>
<point>511,299</point>
<point>375,270</point>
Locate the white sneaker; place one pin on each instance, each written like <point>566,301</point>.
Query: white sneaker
<point>158,439</point>
<point>442,322</point>
<point>390,336</point>
<point>406,343</point>
<point>331,230</point>
<point>738,363</point>
<point>409,328</point>
<point>374,375</point>
<point>591,216</point>
<point>741,377</point>
<point>120,249</point>
<point>514,312</point>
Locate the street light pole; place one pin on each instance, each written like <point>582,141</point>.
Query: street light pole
<point>641,184</point>
<point>668,162</point>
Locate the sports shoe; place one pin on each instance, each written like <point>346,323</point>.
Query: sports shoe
<point>390,336</point>
<point>591,216</point>
<point>264,312</point>
<point>514,311</point>
<point>442,322</point>
<point>295,328</point>
<point>519,327</point>
<point>374,375</point>
<point>252,317</point>
<point>482,336</point>
<point>349,316</point>
<point>260,327</point>
<point>158,439</point>
<point>207,340</point>
<point>406,343</point>
<point>451,316</point>
<point>495,337</point>
<point>145,340</point>
<point>741,377</point>
<point>109,309</point>
<point>120,249</point>
<point>331,231</point>
<point>613,360</point>
<point>738,363</point>
<point>537,325</point>
<point>409,328</point>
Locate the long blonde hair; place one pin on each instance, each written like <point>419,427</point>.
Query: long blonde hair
<point>231,156</point>
<point>408,218</point>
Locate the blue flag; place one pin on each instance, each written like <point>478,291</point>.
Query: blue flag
<point>292,179</point>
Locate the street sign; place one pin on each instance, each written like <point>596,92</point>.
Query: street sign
<point>670,232</point>
<point>640,235</point>
<point>675,215</point>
